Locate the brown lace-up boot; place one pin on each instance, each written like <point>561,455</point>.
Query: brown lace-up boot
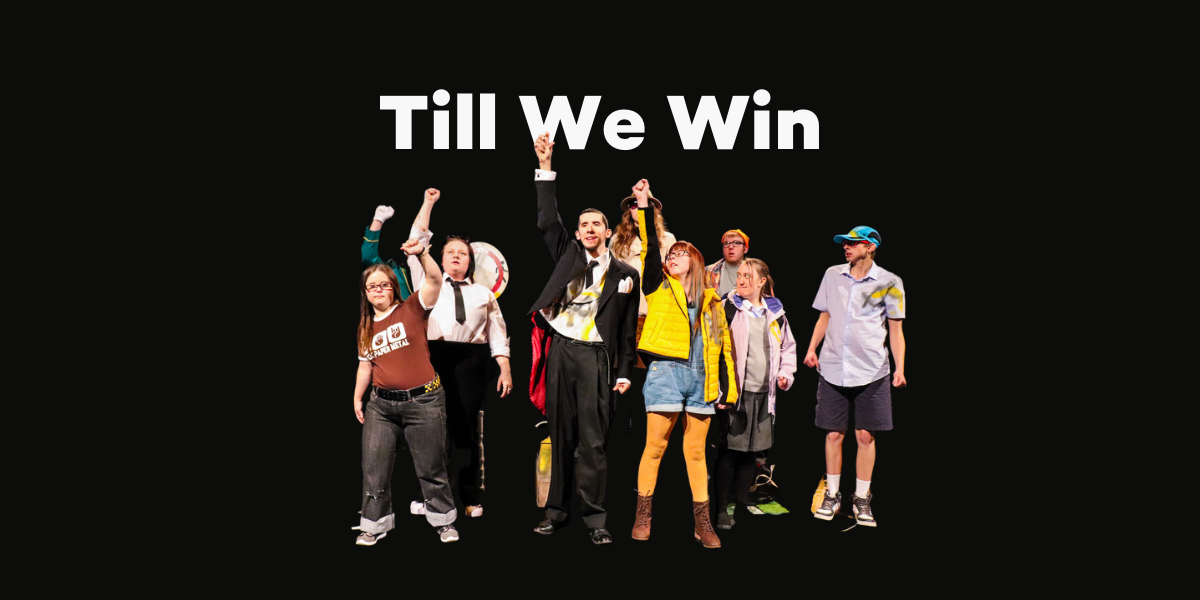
<point>704,529</point>
<point>641,527</point>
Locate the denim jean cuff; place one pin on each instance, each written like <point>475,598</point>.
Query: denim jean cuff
<point>665,408</point>
<point>377,527</point>
<point>437,519</point>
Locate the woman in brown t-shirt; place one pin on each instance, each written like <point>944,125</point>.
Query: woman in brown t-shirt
<point>406,399</point>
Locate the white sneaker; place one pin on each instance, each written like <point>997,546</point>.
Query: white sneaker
<point>448,533</point>
<point>829,506</point>
<point>367,539</point>
<point>417,508</point>
<point>475,510</point>
<point>862,510</point>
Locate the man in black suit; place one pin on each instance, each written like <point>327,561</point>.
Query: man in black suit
<point>587,316</point>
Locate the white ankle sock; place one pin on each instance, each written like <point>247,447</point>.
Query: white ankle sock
<point>832,482</point>
<point>861,488</point>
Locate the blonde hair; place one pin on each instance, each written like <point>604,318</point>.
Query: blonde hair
<point>759,269</point>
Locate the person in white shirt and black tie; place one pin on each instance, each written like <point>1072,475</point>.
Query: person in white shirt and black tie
<point>464,329</point>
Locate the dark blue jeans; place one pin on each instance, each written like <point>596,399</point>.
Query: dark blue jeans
<point>422,423</point>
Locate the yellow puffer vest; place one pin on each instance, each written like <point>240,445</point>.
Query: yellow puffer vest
<point>667,332</point>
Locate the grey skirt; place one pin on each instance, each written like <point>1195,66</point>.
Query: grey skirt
<point>750,427</point>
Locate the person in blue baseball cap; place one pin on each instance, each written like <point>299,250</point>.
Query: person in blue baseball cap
<point>862,306</point>
<point>860,234</point>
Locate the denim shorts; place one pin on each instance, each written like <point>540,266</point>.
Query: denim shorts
<point>673,387</point>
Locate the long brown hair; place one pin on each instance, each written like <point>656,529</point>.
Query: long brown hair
<point>627,231</point>
<point>697,283</point>
<point>367,310</point>
<point>760,270</point>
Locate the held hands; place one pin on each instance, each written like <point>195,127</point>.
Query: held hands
<point>810,360</point>
<point>898,380</point>
<point>432,195</point>
<point>544,148</point>
<point>358,404</point>
<point>640,191</point>
<point>413,247</point>
<point>621,387</point>
<point>383,213</point>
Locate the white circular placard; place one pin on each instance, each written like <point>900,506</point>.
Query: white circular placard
<point>491,270</point>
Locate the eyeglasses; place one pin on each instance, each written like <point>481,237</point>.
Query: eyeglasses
<point>731,244</point>
<point>679,254</point>
<point>387,285</point>
<point>854,243</point>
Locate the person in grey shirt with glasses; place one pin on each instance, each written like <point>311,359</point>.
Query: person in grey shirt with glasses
<point>861,305</point>
<point>722,275</point>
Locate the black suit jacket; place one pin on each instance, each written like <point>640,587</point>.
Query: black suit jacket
<point>616,317</point>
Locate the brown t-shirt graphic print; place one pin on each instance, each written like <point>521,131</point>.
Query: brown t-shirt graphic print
<point>399,351</point>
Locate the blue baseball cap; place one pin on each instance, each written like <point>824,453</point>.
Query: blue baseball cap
<point>862,232</point>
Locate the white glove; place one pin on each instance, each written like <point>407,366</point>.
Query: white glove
<point>382,213</point>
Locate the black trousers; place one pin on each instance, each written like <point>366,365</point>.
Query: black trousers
<point>464,371</point>
<point>579,410</point>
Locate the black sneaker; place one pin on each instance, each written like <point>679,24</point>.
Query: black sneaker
<point>725,521</point>
<point>829,506</point>
<point>862,510</point>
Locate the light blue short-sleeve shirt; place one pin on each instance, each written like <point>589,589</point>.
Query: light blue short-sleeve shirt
<point>853,353</point>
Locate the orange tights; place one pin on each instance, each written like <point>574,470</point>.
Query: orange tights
<point>658,431</point>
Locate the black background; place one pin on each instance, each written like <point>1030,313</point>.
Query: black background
<point>790,202</point>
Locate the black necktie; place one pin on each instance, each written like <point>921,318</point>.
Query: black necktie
<point>587,279</point>
<point>460,311</point>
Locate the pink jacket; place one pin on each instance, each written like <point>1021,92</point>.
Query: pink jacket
<point>783,344</point>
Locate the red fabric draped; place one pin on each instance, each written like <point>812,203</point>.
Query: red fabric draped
<point>537,376</point>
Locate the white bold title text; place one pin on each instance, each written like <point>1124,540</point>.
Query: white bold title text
<point>623,129</point>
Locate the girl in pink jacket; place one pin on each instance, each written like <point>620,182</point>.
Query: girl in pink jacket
<point>765,358</point>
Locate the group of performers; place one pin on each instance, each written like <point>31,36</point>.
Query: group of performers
<point>715,341</point>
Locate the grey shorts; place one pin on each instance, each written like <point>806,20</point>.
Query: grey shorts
<point>872,405</point>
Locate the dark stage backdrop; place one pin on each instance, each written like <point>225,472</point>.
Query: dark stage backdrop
<point>790,202</point>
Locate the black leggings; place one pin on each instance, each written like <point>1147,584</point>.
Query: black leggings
<point>734,469</point>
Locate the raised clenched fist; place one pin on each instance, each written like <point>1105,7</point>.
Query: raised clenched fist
<point>432,195</point>
<point>383,213</point>
<point>544,148</point>
<point>413,247</point>
<point>641,190</point>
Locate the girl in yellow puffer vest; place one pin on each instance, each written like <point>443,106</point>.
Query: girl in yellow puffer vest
<point>683,341</point>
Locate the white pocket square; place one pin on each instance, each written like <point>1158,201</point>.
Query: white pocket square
<point>625,286</point>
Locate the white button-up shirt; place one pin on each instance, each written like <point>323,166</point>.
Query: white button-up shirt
<point>484,324</point>
<point>853,353</point>
<point>573,314</point>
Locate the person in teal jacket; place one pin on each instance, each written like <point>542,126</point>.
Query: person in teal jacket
<point>370,251</point>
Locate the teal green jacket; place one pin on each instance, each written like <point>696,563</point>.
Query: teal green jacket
<point>370,256</point>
